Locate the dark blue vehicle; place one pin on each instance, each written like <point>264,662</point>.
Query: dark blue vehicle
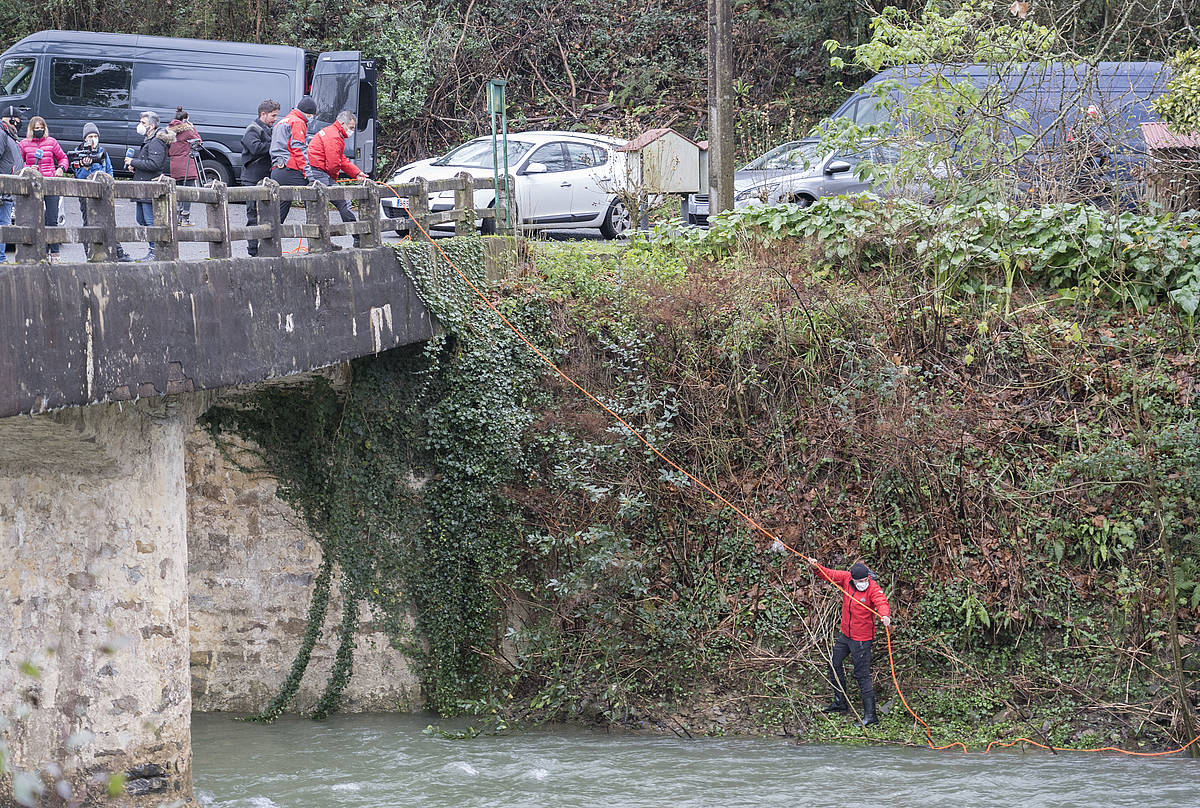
<point>1056,98</point>
<point>74,77</point>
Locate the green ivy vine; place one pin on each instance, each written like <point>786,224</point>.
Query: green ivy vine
<point>400,478</point>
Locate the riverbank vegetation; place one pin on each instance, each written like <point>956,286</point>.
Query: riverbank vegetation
<point>1012,445</point>
<point>991,400</point>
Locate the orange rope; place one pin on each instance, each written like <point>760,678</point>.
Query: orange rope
<point>753,523</point>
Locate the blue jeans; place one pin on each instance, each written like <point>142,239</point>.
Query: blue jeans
<point>144,213</point>
<point>6,212</point>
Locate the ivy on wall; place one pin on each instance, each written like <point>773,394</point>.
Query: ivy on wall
<point>400,479</point>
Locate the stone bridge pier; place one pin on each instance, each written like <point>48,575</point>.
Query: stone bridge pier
<point>94,596</point>
<point>104,369</point>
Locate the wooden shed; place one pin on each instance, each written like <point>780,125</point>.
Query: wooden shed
<point>1173,167</point>
<point>662,161</point>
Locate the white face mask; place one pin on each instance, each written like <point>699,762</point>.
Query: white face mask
<point>861,586</point>
<point>142,129</point>
<point>92,141</point>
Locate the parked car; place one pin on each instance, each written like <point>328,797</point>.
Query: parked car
<point>800,173</point>
<point>74,77</point>
<point>562,181</point>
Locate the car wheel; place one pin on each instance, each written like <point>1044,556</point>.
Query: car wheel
<point>215,170</point>
<point>487,227</point>
<point>802,201</point>
<point>617,221</point>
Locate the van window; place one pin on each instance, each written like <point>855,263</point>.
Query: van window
<point>207,89</point>
<point>16,75</point>
<point>90,83</point>
<point>335,92</point>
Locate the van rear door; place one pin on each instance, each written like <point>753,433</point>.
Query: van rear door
<point>343,80</point>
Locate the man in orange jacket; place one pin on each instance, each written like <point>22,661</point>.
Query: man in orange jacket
<point>327,159</point>
<point>862,599</point>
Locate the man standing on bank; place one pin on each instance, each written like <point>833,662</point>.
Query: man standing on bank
<point>857,630</point>
<point>256,159</point>
<point>327,159</point>
<point>289,164</point>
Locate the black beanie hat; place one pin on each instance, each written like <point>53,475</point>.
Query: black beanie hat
<point>859,571</point>
<point>11,112</point>
<point>307,105</point>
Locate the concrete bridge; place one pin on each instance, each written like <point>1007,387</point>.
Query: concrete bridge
<point>104,368</point>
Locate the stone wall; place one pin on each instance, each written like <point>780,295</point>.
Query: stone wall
<point>93,595</point>
<point>252,565</point>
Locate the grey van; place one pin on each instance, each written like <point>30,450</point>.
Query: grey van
<point>73,77</point>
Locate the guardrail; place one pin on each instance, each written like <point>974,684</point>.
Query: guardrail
<point>101,236</point>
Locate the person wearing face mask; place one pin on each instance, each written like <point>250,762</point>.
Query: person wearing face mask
<point>11,162</point>
<point>87,161</point>
<point>43,153</point>
<point>150,162</point>
<point>861,594</point>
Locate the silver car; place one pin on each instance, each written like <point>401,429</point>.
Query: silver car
<point>800,172</point>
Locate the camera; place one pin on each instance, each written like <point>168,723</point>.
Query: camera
<point>76,156</point>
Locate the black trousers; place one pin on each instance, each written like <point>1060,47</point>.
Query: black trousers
<point>287,176</point>
<point>859,652</point>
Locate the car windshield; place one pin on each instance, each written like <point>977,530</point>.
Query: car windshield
<point>798,154</point>
<point>478,154</point>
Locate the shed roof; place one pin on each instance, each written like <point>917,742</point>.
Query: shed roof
<point>1159,136</point>
<point>649,136</point>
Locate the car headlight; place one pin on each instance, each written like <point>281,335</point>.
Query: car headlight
<point>758,192</point>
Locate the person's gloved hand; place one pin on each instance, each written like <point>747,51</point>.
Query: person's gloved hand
<point>887,621</point>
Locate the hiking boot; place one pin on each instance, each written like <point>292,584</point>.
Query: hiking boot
<point>838,706</point>
<point>185,220</point>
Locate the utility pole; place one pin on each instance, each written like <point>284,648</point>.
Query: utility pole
<point>720,106</point>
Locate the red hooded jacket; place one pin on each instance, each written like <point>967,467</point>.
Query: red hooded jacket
<point>327,152</point>
<point>857,622</point>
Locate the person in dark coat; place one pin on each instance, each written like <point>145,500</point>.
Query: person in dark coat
<point>150,162</point>
<point>11,162</point>
<point>256,159</point>
<point>862,599</point>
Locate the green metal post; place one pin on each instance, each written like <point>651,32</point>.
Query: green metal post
<point>497,106</point>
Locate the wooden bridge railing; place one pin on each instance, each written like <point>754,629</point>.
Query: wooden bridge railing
<point>101,236</point>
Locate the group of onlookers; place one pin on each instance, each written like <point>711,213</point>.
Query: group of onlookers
<point>276,147</point>
<point>172,151</point>
<point>271,147</point>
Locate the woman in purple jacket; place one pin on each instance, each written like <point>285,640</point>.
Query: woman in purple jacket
<point>42,152</point>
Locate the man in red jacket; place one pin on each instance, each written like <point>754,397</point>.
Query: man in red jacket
<point>862,599</point>
<point>327,159</point>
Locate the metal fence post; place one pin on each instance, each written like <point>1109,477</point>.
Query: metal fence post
<point>165,208</point>
<point>464,205</point>
<point>102,213</point>
<point>317,213</point>
<point>29,210</point>
<point>512,224</point>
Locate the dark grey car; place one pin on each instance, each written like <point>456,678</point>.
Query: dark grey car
<point>799,172</point>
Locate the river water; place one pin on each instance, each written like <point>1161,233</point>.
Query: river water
<point>375,761</point>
